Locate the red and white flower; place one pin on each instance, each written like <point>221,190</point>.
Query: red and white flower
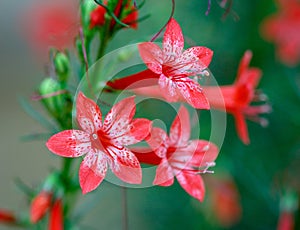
<point>180,157</point>
<point>103,142</point>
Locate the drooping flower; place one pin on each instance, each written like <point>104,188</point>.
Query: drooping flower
<point>40,205</point>
<point>7,217</point>
<point>180,157</point>
<point>53,24</point>
<point>172,67</point>
<point>286,221</point>
<point>56,216</point>
<point>225,201</point>
<point>238,97</point>
<point>282,28</point>
<point>103,143</point>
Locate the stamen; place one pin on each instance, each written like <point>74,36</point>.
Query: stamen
<point>260,97</point>
<point>206,148</point>
<point>95,136</point>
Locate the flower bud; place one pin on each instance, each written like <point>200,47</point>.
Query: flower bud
<point>98,17</point>
<point>48,90</point>
<point>39,206</point>
<point>62,66</point>
<point>56,216</point>
<point>7,217</point>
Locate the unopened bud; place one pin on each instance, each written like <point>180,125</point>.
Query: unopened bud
<point>62,66</point>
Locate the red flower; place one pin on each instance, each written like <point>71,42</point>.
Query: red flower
<point>225,201</point>
<point>7,217</point>
<point>56,216</point>
<point>53,24</point>
<point>130,18</point>
<point>237,97</point>
<point>39,206</point>
<point>180,157</point>
<point>282,29</point>
<point>103,143</point>
<point>98,16</point>
<point>286,221</point>
<point>173,66</point>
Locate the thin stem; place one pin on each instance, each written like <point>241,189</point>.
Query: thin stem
<point>66,166</point>
<point>171,15</point>
<point>124,209</point>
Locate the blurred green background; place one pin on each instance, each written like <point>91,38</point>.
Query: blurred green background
<point>264,171</point>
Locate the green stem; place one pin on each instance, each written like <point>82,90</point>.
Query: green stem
<point>66,166</point>
<point>124,209</point>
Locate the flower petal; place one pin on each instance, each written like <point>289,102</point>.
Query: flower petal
<point>138,131</point>
<point>70,143</point>
<point>244,64</point>
<point>116,122</point>
<point>241,127</point>
<point>164,174</point>
<point>203,152</point>
<point>168,88</point>
<point>125,165</point>
<point>192,93</point>
<point>92,171</point>
<point>173,41</point>
<point>56,221</point>
<point>180,129</point>
<point>192,183</point>
<point>158,142</point>
<point>152,56</point>
<point>88,114</point>
<point>195,59</point>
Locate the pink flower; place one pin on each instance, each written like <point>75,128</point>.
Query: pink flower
<point>173,66</point>
<point>103,143</point>
<point>225,201</point>
<point>56,216</point>
<point>53,24</point>
<point>40,205</point>
<point>282,29</point>
<point>237,97</point>
<point>180,157</point>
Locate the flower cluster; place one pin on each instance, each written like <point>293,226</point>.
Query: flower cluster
<point>107,140</point>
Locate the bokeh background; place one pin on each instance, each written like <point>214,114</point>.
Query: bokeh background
<point>266,172</point>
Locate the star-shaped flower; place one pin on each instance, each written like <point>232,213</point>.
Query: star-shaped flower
<point>179,157</point>
<point>174,66</point>
<point>103,142</point>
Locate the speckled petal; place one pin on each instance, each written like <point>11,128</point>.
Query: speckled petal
<point>70,143</point>
<point>192,183</point>
<point>173,41</point>
<point>92,171</point>
<point>125,165</point>
<point>116,122</point>
<point>164,174</point>
<point>88,114</point>
<point>168,88</point>
<point>152,56</point>
<point>192,93</point>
